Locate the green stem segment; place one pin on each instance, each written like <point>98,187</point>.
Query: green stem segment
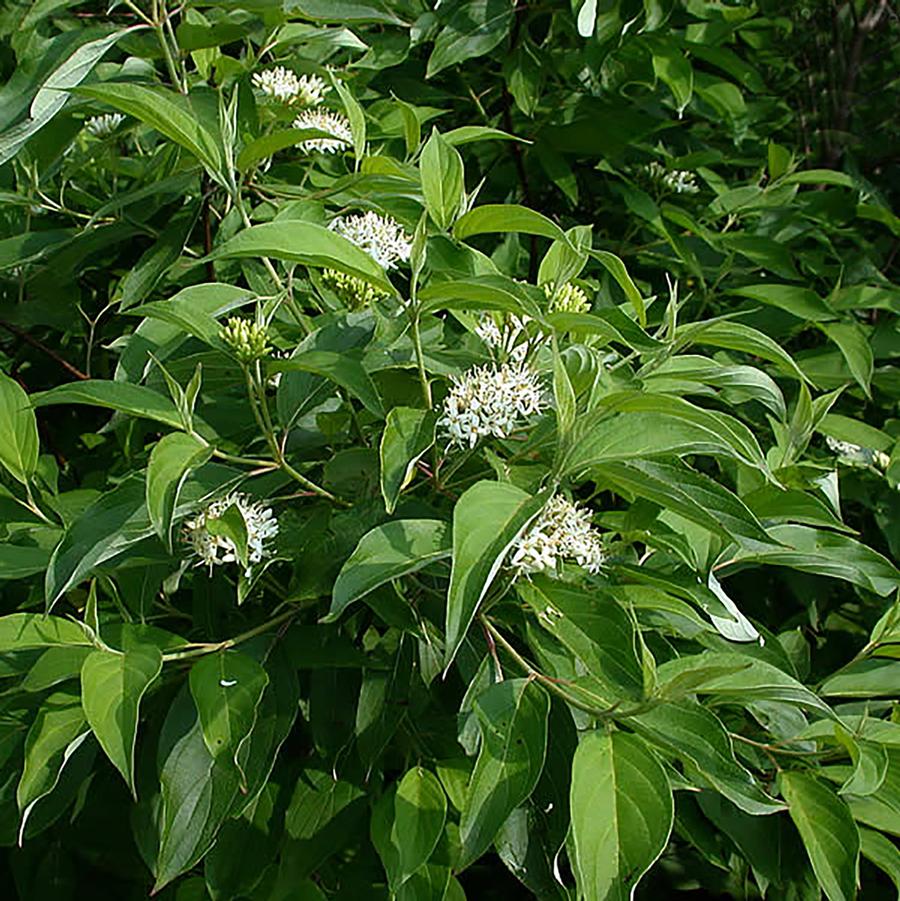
<point>201,650</point>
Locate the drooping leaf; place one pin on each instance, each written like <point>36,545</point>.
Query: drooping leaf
<point>19,436</point>
<point>420,809</point>
<point>473,29</point>
<point>388,552</point>
<point>512,716</point>
<point>112,686</point>
<point>622,813</point>
<point>828,832</point>
<point>486,521</point>
<point>226,687</point>
<point>171,461</point>
<point>408,434</point>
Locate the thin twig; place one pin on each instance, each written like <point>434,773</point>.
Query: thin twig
<point>28,339</point>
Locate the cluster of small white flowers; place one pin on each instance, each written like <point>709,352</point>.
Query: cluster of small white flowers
<point>104,126</point>
<point>506,337</point>
<point>678,180</point>
<point>562,530</point>
<point>490,401</point>
<point>381,237</point>
<point>855,453</point>
<point>283,86</point>
<point>335,124</point>
<point>215,550</point>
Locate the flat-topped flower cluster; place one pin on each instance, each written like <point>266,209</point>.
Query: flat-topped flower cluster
<point>283,86</point>
<point>561,531</point>
<point>213,549</point>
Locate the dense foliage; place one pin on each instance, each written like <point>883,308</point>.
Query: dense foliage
<point>449,449</point>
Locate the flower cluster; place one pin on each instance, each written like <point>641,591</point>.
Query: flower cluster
<point>334,124</point>
<point>245,339</point>
<point>381,237</point>
<point>507,336</point>
<point>562,530</point>
<point>355,293</point>
<point>104,126</point>
<point>678,180</point>
<point>856,454</point>
<point>568,299</point>
<point>283,86</point>
<point>490,401</point>
<point>216,549</point>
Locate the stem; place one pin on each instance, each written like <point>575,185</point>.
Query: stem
<point>420,360</point>
<point>200,650</point>
<point>263,420</point>
<point>549,683</point>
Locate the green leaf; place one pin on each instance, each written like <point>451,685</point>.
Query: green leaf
<point>672,66</point>
<point>443,184</point>
<point>820,177</point>
<point>622,814</point>
<point>112,686</point>
<point>408,433</point>
<point>266,146</point>
<point>487,292</point>
<point>730,675</point>
<point>109,526</point>
<point>505,217</point>
<point>385,553</point>
<point>231,524</point>
<point>171,461</point>
<point>828,832</point>
<point>156,261</point>
<point>474,29</point>
<point>691,494</point>
<point>198,791</point>
<point>19,435</point>
<point>56,732</point>
<point>665,426</point>
<point>137,400</point>
<point>882,852</point>
<point>697,736</point>
<point>487,519</point>
<point>51,97</point>
<point>468,134</point>
<point>31,246</point>
<point>828,554</point>
<point>512,716</point>
<point>296,241</point>
<point>226,687</point>
<point>594,628</point>
<point>342,368</point>
<point>737,336</point>
<point>857,351</point>
<point>871,678</point>
<point>163,110</point>
<point>420,809</point>
<point>355,116</point>
<point>56,665</point>
<point>26,631</point>
<point>803,303</point>
<point>616,268</point>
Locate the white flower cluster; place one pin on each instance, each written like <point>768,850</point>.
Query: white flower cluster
<point>381,237</point>
<point>505,337</point>
<point>678,180</point>
<point>104,126</point>
<point>283,85</point>
<point>335,124</point>
<point>562,530</point>
<point>490,401</point>
<point>856,454</point>
<point>215,550</point>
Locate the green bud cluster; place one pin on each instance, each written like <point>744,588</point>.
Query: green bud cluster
<point>568,299</point>
<point>245,339</point>
<point>355,293</point>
